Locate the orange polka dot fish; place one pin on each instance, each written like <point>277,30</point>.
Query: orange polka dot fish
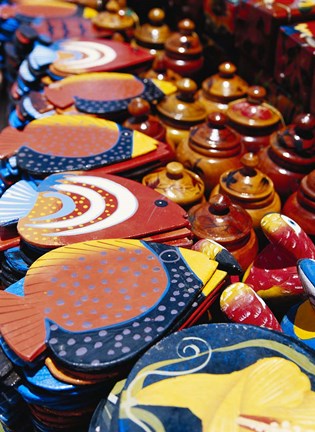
<point>100,303</point>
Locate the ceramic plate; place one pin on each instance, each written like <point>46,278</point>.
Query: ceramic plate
<point>221,377</point>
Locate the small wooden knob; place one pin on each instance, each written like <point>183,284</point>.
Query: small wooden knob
<point>227,69</point>
<point>219,204</point>
<point>139,107</point>
<point>256,94</point>
<point>217,120</point>
<point>305,122</point>
<point>186,87</point>
<point>250,160</point>
<point>186,26</point>
<point>112,6</point>
<point>175,169</point>
<point>159,63</point>
<point>156,16</point>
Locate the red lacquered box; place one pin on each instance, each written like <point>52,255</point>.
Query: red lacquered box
<point>295,66</point>
<point>258,23</point>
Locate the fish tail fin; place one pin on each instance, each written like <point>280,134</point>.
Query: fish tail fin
<point>16,202</point>
<point>22,325</point>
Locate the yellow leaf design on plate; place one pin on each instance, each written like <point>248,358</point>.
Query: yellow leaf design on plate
<point>272,390</point>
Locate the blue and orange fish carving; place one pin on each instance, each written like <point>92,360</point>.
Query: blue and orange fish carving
<point>65,143</point>
<point>94,304</point>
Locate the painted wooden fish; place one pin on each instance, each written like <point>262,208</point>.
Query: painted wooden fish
<point>299,321</point>
<point>105,92</point>
<point>58,28</point>
<point>95,55</point>
<point>99,303</point>
<point>32,9</point>
<point>71,207</point>
<point>273,273</point>
<point>62,143</point>
<point>73,57</point>
<point>241,304</point>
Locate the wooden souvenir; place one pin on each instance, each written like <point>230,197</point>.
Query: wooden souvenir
<point>273,273</point>
<point>76,206</point>
<point>228,224</point>
<point>160,72</point>
<point>141,120</point>
<point>118,20</point>
<point>300,206</point>
<point>299,320</point>
<point>9,237</point>
<point>78,56</point>
<point>291,155</point>
<point>34,9</point>
<point>105,93</point>
<point>93,4</point>
<point>32,106</point>
<point>184,51</point>
<point>295,69</point>
<point>57,28</point>
<point>87,314</point>
<point>285,233</point>
<point>153,34</point>
<point>217,252</point>
<point>258,25</point>
<point>223,87</point>
<point>138,167</point>
<point>211,148</point>
<point>200,309</point>
<point>241,304</point>
<point>220,20</point>
<point>254,119</point>
<point>13,266</point>
<point>180,111</point>
<point>60,143</point>
<point>177,183</point>
<point>250,188</point>
<point>220,377</point>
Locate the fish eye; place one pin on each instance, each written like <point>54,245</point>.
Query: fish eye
<point>169,256</point>
<point>161,203</point>
<point>292,224</point>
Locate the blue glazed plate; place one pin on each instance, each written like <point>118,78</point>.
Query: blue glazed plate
<point>219,378</point>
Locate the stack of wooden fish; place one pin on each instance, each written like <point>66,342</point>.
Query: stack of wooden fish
<point>85,312</point>
<point>46,65</point>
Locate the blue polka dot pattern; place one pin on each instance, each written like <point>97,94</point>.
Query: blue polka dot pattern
<point>151,93</point>
<point>41,163</point>
<point>101,348</point>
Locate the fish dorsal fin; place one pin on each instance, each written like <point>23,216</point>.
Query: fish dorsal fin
<point>22,325</point>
